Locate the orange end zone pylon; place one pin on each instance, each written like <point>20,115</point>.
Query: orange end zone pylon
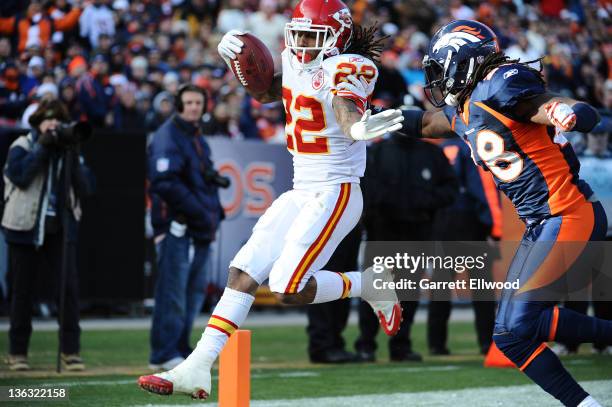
<point>235,371</point>
<point>495,358</point>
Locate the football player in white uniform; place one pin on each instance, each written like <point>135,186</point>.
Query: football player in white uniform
<point>326,56</point>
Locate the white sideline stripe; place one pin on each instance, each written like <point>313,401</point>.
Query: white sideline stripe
<point>287,375</point>
<point>255,319</point>
<point>284,375</point>
<point>514,396</point>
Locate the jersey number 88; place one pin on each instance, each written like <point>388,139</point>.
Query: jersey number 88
<point>491,148</point>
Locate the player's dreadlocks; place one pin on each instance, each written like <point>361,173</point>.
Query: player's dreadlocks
<point>491,62</point>
<point>364,42</point>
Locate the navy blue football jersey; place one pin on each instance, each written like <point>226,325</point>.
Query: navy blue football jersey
<point>535,168</point>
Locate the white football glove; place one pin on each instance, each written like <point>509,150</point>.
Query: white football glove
<point>356,89</point>
<point>230,46</point>
<point>371,127</point>
<point>561,116</point>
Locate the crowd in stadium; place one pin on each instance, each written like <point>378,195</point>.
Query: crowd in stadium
<point>119,63</point>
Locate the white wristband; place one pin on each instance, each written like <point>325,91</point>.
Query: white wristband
<point>177,229</point>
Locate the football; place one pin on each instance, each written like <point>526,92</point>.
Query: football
<point>254,67</point>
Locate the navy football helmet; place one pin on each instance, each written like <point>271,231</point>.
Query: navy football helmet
<point>454,53</point>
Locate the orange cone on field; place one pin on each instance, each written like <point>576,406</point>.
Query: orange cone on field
<point>235,371</point>
<point>495,358</point>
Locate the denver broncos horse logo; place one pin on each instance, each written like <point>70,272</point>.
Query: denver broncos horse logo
<point>460,36</point>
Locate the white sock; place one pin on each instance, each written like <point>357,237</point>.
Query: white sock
<point>589,402</point>
<point>230,312</point>
<point>332,286</point>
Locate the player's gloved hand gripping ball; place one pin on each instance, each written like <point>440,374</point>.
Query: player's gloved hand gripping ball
<point>561,116</point>
<point>230,46</point>
<point>249,59</point>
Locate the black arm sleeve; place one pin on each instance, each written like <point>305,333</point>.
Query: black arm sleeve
<point>412,126</point>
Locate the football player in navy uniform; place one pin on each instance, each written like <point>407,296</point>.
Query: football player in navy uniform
<point>513,125</point>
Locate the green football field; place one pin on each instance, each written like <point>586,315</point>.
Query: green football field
<point>282,374</point>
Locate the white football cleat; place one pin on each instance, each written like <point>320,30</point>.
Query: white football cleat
<point>185,379</point>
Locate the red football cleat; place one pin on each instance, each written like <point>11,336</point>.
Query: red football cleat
<point>155,385</point>
<point>183,379</point>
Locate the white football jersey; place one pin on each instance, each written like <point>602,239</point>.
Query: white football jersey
<point>322,153</point>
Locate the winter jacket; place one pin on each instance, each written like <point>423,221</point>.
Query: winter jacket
<point>179,159</point>
<point>29,190</point>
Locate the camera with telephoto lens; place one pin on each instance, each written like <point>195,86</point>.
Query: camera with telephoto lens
<point>71,134</point>
<point>211,175</point>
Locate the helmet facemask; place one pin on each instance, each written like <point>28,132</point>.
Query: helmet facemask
<point>447,79</point>
<point>325,42</point>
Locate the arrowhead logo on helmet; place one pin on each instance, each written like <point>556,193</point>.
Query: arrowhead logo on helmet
<point>344,17</point>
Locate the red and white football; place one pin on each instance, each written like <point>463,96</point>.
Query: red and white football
<point>253,67</point>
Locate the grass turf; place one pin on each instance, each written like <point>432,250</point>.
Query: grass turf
<point>281,369</point>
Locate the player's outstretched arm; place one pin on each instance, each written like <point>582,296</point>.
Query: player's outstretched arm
<point>562,112</point>
<point>364,126</point>
<point>350,103</point>
<point>229,47</point>
<point>428,124</point>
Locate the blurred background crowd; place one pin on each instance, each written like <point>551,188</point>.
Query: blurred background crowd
<point>118,63</point>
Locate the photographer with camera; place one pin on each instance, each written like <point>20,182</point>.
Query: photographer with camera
<point>185,210</point>
<point>40,227</point>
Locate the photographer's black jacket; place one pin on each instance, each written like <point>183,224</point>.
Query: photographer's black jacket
<point>179,159</point>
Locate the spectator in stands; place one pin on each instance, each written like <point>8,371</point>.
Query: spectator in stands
<point>46,91</point>
<point>269,26</point>
<point>139,69</point>
<point>171,82</point>
<point>390,85</point>
<point>197,12</point>
<point>5,51</point>
<point>126,116</point>
<point>35,237</point>
<point>178,36</point>
<point>67,95</point>
<point>524,52</point>
<point>163,107</point>
<point>406,181</point>
<point>97,19</point>
<point>95,98</point>
<point>33,77</point>
<point>185,210</point>
<point>232,16</point>
<point>59,10</point>
<point>12,100</point>
<point>36,26</point>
